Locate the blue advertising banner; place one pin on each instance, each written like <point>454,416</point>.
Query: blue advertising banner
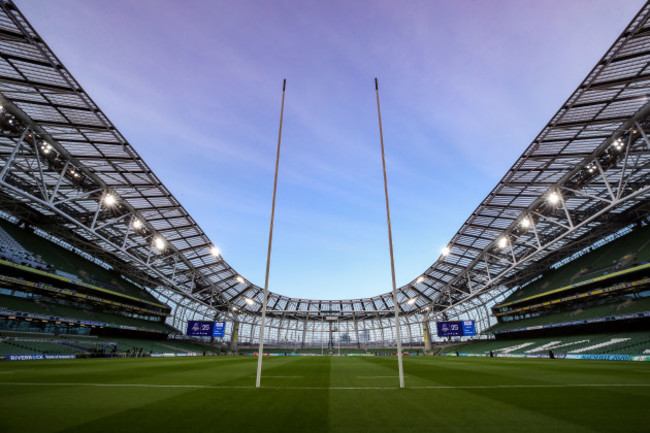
<point>456,329</point>
<point>449,329</point>
<point>197,328</point>
<point>469,328</point>
<point>219,329</point>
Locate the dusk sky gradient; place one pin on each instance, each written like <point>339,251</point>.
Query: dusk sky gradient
<point>195,87</point>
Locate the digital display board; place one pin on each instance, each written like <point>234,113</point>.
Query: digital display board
<point>219,329</point>
<point>196,328</point>
<point>456,329</point>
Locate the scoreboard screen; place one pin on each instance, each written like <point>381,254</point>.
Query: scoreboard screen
<point>461,328</point>
<point>198,328</point>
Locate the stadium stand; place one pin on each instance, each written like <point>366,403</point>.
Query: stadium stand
<point>631,344</point>
<point>54,302</point>
<point>34,251</point>
<point>595,305</point>
<point>628,252</point>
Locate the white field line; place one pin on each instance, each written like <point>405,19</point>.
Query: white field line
<point>268,376</point>
<point>378,377</point>
<point>151,385</point>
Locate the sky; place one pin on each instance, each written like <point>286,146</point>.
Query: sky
<point>195,87</point>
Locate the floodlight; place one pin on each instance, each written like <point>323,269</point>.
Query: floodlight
<point>618,144</point>
<point>411,301</point>
<point>554,198</point>
<point>110,200</point>
<point>445,251</point>
<point>215,251</point>
<point>526,222</point>
<point>240,279</point>
<point>420,279</point>
<point>249,301</point>
<point>137,223</point>
<point>159,243</point>
<point>502,242</point>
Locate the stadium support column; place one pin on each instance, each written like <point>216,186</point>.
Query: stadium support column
<point>305,324</point>
<point>398,334</point>
<point>234,337</point>
<point>356,333</point>
<point>427,337</point>
<point>260,353</point>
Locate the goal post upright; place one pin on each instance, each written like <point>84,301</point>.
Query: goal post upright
<point>390,246</point>
<point>260,353</point>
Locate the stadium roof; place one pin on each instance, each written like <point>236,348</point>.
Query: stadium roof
<point>67,170</point>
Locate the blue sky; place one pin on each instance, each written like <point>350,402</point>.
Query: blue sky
<point>195,87</point>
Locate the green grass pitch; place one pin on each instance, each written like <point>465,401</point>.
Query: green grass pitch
<point>324,394</point>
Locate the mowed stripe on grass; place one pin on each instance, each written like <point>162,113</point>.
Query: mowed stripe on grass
<point>323,394</point>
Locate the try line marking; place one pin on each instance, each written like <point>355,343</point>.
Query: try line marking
<point>153,385</point>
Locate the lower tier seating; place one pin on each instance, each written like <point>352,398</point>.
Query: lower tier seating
<point>632,343</point>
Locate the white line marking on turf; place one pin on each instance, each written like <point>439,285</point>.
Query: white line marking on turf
<point>377,377</point>
<point>279,377</point>
<point>153,385</point>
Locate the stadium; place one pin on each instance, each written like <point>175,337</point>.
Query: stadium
<point>119,313</point>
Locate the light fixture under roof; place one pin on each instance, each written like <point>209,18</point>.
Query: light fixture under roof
<point>411,301</point>
<point>526,222</point>
<point>137,224</point>
<point>502,242</point>
<point>618,144</point>
<point>215,251</point>
<point>159,243</point>
<point>420,279</point>
<point>249,301</point>
<point>110,199</point>
<point>554,198</point>
<point>46,147</point>
<point>445,251</point>
<point>240,279</point>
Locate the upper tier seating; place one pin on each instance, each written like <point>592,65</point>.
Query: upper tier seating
<point>56,259</point>
<point>624,252</point>
<point>606,310</point>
